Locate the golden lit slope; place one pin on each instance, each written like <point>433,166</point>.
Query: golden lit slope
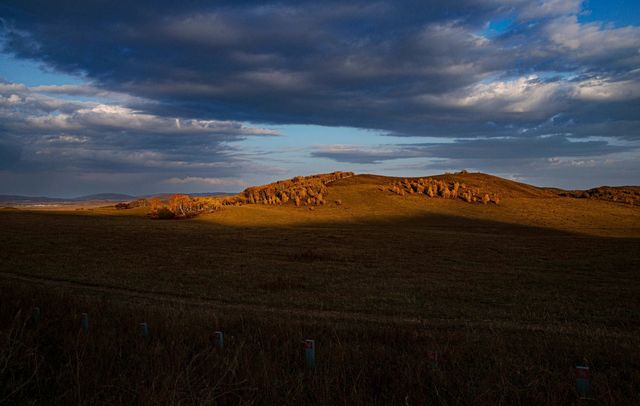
<point>364,198</point>
<point>490,183</point>
<point>504,187</point>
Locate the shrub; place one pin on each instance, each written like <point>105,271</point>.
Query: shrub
<point>467,196</point>
<point>430,191</point>
<point>456,187</point>
<point>165,214</point>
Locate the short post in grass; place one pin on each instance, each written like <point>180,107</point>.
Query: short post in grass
<point>309,353</point>
<point>84,323</point>
<point>36,315</point>
<point>218,338</point>
<point>433,357</point>
<point>583,381</point>
<point>144,330</point>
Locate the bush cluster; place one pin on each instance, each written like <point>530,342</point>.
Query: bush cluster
<point>430,187</point>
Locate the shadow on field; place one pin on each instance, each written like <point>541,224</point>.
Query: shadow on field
<point>509,310</point>
<point>431,266</point>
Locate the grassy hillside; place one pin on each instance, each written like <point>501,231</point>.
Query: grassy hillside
<point>511,295</point>
<point>364,198</point>
<point>495,184</point>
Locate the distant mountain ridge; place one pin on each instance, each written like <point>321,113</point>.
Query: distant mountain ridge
<point>102,197</point>
<point>44,199</point>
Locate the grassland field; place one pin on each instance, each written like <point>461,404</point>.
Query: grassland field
<point>512,297</point>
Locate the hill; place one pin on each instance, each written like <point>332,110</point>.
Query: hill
<point>450,186</point>
<point>103,197</point>
<point>318,190</point>
<point>29,199</point>
<point>505,188</point>
<point>620,194</point>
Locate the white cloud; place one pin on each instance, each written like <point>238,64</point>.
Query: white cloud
<point>87,90</point>
<point>521,95</point>
<point>12,87</point>
<point>606,90</point>
<point>22,107</point>
<point>543,8</point>
<point>591,40</point>
<point>64,138</point>
<point>197,180</point>
<point>529,94</point>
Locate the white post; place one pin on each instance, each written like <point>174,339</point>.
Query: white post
<point>309,353</point>
<point>583,381</point>
<point>219,339</point>
<point>84,322</point>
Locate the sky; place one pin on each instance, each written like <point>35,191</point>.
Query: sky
<point>198,96</point>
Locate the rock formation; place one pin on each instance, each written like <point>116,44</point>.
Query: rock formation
<point>302,190</point>
<point>435,188</point>
<point>619,194</point>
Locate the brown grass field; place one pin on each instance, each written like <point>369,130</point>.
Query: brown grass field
<point>510,296</point>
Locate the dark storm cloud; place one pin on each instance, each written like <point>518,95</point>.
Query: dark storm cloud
<point>9,154</point>
<point>397,66</point>
<point>408,68</point>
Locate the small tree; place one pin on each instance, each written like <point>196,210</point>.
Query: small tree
<point>182,205</point>
<point>430,191</point>
<point>154,204</point>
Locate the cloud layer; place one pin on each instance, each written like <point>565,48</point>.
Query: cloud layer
<point>91,142</point>
<point>543,87</point>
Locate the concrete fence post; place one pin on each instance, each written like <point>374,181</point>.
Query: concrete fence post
<point>218,337</point>
<point>84,322</point>
<point>309,353</point>
<point>583,381</point>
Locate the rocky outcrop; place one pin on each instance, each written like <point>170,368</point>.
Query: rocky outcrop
<point>301,191</point>
<point>437,188</point>
<point>618,194</point>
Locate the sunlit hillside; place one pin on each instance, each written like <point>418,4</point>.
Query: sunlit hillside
<point>364,198</point>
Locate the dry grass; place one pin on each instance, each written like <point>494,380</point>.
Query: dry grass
<point>512,295</point>
<point>358,362</point>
